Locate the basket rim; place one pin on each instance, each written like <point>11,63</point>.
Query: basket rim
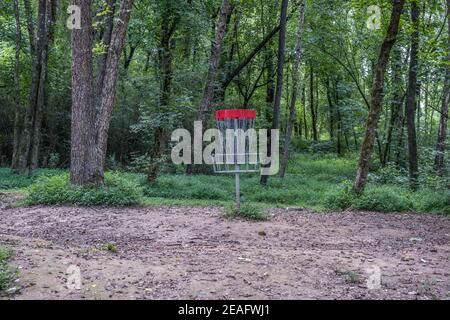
<point>225,114</point>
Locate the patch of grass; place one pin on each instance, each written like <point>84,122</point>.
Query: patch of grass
<point>340,198</point>
<point>247,211</point>
<point>387,198</point>
<point>5,254</point>
<point>319,182</point>
<point>117,191</point>
<point>430,201</point>
<point>110,247</point>
<point>11,180</point>
<point>383,199</point>
<point>7,273</point>
<point>352,276</point>
<point>157,201</point>
<point>308,180</point>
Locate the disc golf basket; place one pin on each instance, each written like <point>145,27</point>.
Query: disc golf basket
<point>237,156</point>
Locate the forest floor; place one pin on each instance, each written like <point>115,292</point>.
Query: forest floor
<point>182,252</point>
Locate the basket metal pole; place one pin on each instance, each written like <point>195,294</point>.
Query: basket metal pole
<point>236,175</point>
<point>238,189</point>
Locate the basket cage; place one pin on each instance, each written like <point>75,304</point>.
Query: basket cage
<point>238,155</point>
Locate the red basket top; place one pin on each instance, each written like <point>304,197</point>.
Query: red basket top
<point>235,114</point>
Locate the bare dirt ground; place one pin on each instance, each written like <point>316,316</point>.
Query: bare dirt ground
<point>195,253</point>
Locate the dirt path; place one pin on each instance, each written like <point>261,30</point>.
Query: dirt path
<point>194,253</point>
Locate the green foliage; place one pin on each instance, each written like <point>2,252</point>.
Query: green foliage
<point>390,174</point>
<point>5,254</point>
<point>340,198</point>
<point>318,182</point>
<point>323,147</point>
<point>388,198</point>
<point>110,247</point>
<point>12,180</point>
<point>383,199</point>
<point>352,276</point>
<point>432,201</point>
<point>247,211</point>
<point>7,273</point>
<point>117,191</point>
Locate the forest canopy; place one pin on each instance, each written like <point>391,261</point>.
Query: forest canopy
<point>365,80</point>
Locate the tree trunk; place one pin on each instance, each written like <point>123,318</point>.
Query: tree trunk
<point>17,111</point>
<point>295,80</point>
<point>411,98</point>
<point>305,123</point>
<point>29,149</point>
<point>442,131</point>
<point>106,42</point>
<point>108,93</point>
<point>210,85</point>
<point>377,97</point>
<point>280,69</point>
<point>339,131</point>
<point>312,103</point>
<point>397,105</point>
<point>83,109</point>
<point>330,111</point>
<point>211,89</point>
<point>270,90</point>
<point>338,116</point>
<point>165,66</point>
<point>90,126</point>
<point>42,98</point>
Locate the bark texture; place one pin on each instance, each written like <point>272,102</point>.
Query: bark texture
<point>39,44</point>
<point>280,72</point>
<point>411,102</point>
<point>90,124</point>
<point>210,85</point>
<point>295,84</point>
<point>377,97</point>
<point>17,111</point>
<point>439,164</point>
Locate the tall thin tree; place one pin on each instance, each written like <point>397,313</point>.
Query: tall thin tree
<point>17,111</point>
<point>294,93</point>
<point>216,50</point>
<point>280,72</point>
<point>377,97</point>
<point>90,122</point>
<point>442,131</point>
<point>411,101</point>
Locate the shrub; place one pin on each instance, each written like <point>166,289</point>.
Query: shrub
<point>7,273</point>
<point>340,198</point>
<point>5,254</point>
<point>383,199</point>
<point>190,187</point>
<point>247,211</point>
<point>323,147</point>
<point>352,276</point>
<point>273,195</point>
<point>390,174</point>
<point>9,179</point>
<point>117,191</point>
<point>430,201</point>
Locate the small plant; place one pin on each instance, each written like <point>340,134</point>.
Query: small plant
<point>427,287</point>
<point>352,276</point>
<point>110,247</point>
<point>247,211</point>
<point>341,198</point>
<point>383,199</point>
<point>54,160</point>
<point>117,191</point>
<point>7,273</point>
